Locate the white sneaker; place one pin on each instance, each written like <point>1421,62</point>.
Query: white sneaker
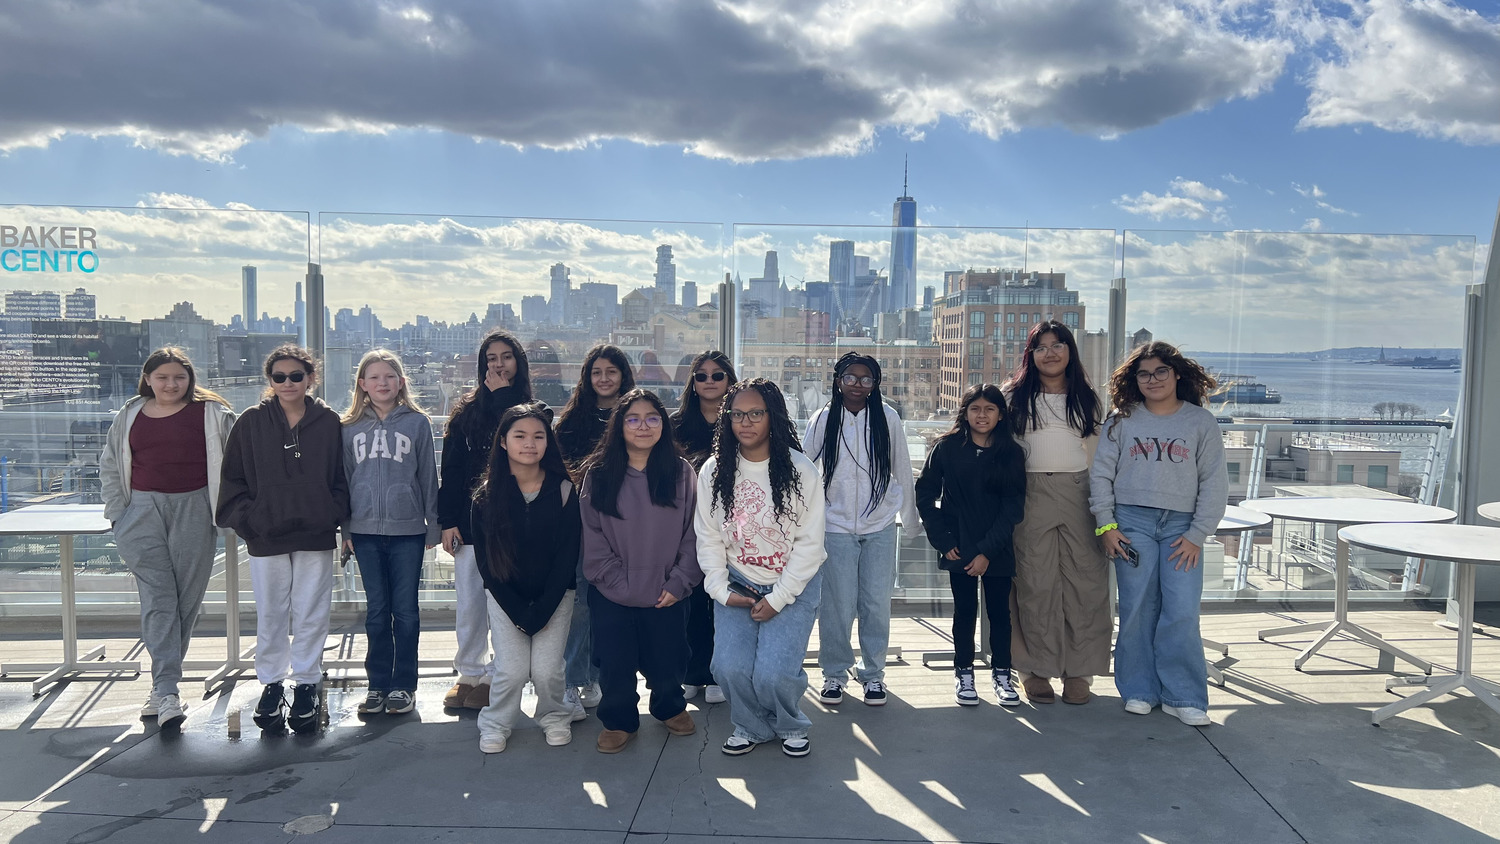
<point>1189,715</point>
<point>690,691</point>
<point>559,736</point>
<point>1135,706</point>
<point>573,706</point>
<point>713,694</point>
<point>150,707</point>
<point>170,713</point>
<point>1005,689</point>
<point>491,744</point>
<point>590,695</point>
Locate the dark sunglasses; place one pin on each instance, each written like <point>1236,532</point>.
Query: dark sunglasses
<point>280,377</point>
<point>700,377</point>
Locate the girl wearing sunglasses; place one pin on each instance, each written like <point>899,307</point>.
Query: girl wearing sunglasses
<point>710,375</point>
<point>283,491</point>
<point>867,478</point>
<point>1159,486</point>
<point>641,556</point>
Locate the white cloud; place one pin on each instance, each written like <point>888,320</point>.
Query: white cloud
<point>1313,192</point>
<point>1197,190</point>
<point>1430,67</point>
<point>738,79</point>
<point>1312,224</point>
<point>1184,199</point>
<point>1233,179</point>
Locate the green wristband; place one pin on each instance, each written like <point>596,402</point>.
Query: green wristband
<point>1106,529</point>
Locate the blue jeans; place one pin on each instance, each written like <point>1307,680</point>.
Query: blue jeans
<point>391,567</point>
<point>759,666</point>
<point>580,668</point>
<point>1159,652</point>
<point>858,577</point>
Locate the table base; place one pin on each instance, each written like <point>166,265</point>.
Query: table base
<point>52,673</point>
<point>1480,688</point>
<point>1215,673</point>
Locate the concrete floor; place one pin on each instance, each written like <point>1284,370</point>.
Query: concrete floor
<point>1291,758</point>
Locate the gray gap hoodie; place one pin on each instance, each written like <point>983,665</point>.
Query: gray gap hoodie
<point>392,474</point>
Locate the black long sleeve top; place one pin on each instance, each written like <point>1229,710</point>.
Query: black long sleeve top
<point>467,440</point>
<point>972,498</point>
<point>545,534</point>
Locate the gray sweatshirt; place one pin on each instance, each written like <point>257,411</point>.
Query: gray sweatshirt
<point>1172,462</point>
<point>392,474</point>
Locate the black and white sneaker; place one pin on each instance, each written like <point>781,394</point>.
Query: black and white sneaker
<point>737,746</point>
<point>833,692</point>
<point>963,688</point>
<point>796,746</point>
<point>306,710</point>
<point>400,702</point>
<point>1005,689</point>
<point>875,693</point>
<point>270,712</point>
<point>373,703</point>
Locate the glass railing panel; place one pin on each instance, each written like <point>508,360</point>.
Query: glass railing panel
<point>1338,360</point>
<point>430,287</point>
<point>938,308</point>
<point>88,294</point>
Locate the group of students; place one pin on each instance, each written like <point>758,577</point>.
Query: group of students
<point>695,548</point>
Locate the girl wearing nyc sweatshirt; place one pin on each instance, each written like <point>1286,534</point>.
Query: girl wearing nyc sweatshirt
<point>391,469</point>
<point>1159,488</point>
<point>283,491</point>
<point>641,556</point>
<point>760,523</point>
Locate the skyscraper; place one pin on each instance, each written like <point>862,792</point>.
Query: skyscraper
<point>557,305</point>
<point>299,316</point>
<point>689,295</point>
<point>903,284</point>
<point>666,275</point>
<point>247,283</point>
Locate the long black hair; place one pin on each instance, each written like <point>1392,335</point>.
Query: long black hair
<point>460,417</point>
<point>690,391</point>
<point>606,467</point>
<point>879,442</point>
<point>584,402</point>
<point>784,480</point>
<point>1025,384</point>
<point>497,487</point>
<point>1001,440</point>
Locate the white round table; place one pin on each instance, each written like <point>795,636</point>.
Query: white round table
<point>1236,520</point>
<point>1490,511</point>
<point>1467,546</point>
<point>1343,512</point>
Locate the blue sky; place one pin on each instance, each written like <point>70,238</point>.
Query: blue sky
<point>1277,115</point>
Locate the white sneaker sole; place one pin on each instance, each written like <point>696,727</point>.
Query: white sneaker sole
<point>967,702</point>
<point>1190,720</point>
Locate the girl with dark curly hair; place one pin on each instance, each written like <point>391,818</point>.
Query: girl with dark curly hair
<point>859,442</point>
<point>971,494</point>
<point>760,526</point>
<point>1061,606</point>
<point>1159,488</point>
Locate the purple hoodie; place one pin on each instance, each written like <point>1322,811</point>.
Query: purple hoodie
<point>630,560</point>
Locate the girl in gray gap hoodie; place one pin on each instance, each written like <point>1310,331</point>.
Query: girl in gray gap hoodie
<point>393,487</point>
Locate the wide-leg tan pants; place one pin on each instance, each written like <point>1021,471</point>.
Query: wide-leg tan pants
<point>1060,614</point>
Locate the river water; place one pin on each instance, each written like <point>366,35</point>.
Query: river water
<point>1337,389</point>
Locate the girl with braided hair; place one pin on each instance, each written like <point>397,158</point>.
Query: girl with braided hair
<point>859,443</point>
<point>759,523</point>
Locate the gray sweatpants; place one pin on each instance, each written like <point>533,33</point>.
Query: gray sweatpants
<point>167,542</point>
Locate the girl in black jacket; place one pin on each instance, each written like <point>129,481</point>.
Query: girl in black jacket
<point>971,495</point>
<point>504,382</point>
<point>526,547</point>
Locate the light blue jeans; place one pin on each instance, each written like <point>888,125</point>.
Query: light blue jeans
<point>858,577</point>
<point>1159,652</point>
<point>579,666</point>
<point>759,666</point>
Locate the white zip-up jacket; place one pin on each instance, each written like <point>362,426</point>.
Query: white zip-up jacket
<point>849,491</point>
<point>114,460</point>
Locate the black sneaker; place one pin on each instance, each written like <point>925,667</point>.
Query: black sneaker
<point>270,713</point>
<point>400,702</point>
<point>832,693</point>
<point>796,746</point>
<point>737,746</point>
<point>373,703</point>
<point>963,687</point>
<point>306,712</point>
<point>875,693</point>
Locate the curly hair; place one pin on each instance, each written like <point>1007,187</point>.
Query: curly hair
<point>291,351</point>
<point>784,480</point>
<point>1025,384</point>
<point>879,442</point>
<point>1194,384</point>
<point>605,469</point>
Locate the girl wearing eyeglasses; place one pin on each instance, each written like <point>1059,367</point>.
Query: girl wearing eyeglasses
<point>972,494</point>
<point>159,478</point>
<point>710,375</point>
<point>1061,611</point>
<point>867,480</point>
<point>1160,486</point>
<point>759,523</point>
<point>641,556</point>
<point>604,376</point>
<point>283,491</point>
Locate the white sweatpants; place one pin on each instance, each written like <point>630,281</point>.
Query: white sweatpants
<point>471,619</point>
<point>519,658</point>
<point>293,595</point>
